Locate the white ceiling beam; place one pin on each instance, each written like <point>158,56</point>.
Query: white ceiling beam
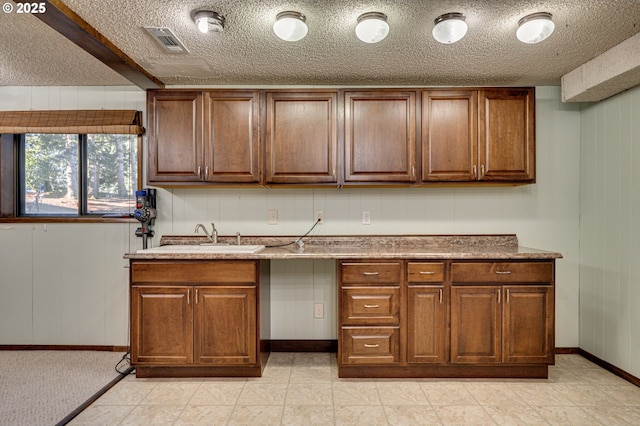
<point>613,72</point>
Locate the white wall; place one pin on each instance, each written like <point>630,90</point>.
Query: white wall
<point>544,215</point>
<point>609,231</point>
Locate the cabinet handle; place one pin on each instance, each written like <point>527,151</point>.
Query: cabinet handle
<point>371,273</point>
<point>333,173</point>
<point>475,174</point>
<point>199,171</point>
<point>196,296</point>
<point>503,272</point>
<point>206,172</point>
<point>188,296</point>
<point>482,172</point>
<point>371,306</point>
<point>441,296</point>
<point>499,295</point>
<point>369,345</point>
<point>507,296</point>
<point>413,172</point>
<point>427,272</point>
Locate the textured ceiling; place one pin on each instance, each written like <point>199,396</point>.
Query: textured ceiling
<point>248,53</point>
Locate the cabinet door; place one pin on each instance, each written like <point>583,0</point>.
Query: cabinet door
<point>380,136</point>
<point>476,320</point>
<point>161,325</point>
<point>301,137</point>
<point>231,138</point>
<point>426,325</point>
<point>174,136</point>
<point>507,135</point>
<point>225,325</point>
<point>449,135</point>
<point>528,324</point>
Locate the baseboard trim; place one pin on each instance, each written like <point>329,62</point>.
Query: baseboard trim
<point>567,351</point>
<point>64,348</point>
<point>303,345</point>
<point>611,368</point>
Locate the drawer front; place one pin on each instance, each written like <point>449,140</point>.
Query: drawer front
<point>501,272</point>
<point>371,306</point>
<point>378,345</point>
<point>371,273</point>
<point>425,272</point>
<point>224,272</point>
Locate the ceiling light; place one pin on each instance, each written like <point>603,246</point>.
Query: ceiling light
<point>208,20</point>
<point>449,28</point>
<point>372,27</point>
<point>535,27</point>
<point>290,26</point>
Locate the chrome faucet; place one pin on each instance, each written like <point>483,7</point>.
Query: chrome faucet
<point>213,237</point>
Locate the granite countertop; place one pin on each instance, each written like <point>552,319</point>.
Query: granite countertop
<point>362,247</point>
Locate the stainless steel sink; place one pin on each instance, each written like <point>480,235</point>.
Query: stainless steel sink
<point>203,249</point>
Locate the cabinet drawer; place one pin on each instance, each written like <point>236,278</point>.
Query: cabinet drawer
<point>501,272</point>
<point>378,345</point>
<point>371,306</point>
<point>226,272</point>
<point>425,272</point>
<point>371,273</point>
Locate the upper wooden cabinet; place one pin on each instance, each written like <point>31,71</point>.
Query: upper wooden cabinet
<point>380,136</point>
<point>341,137</point>
<point>507,135</point>
<point>478,135</point>
<point>174,136</point>
<point>449,135</point>
<point>301,137</point>
<point>232,136</point>
<point>199,137</point>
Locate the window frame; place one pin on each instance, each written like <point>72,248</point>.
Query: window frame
<point>12,178</point>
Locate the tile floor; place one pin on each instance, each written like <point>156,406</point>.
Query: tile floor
<point>304,389</point>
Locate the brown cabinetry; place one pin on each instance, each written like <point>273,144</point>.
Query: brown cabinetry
<point>301,137</point>
<point>370,312</point>
<point>194,314</point>
<point>449,135</point>
<point>200,137</point>
<point>231,137</point>
<point>502,312</point>
<point>507,135</point>
<point>380,136</point>
<point>478,135</point>
<point>174,136</point>
<point>427,301</point>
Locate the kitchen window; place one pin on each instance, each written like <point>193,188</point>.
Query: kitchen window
<point>77,174</point>
<point>69,165</point>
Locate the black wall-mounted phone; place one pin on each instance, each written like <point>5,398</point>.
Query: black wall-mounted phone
<point>145,213</point>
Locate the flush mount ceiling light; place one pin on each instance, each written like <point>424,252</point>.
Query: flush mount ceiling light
<point>372,27</point>
<point>450,27</point>
<point>535,27</point>
<point>208,20</point>
<point>290,26</point>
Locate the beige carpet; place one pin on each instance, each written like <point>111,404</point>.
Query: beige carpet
<point>43,387</point>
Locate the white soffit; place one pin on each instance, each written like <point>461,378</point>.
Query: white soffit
<point>608,74</point>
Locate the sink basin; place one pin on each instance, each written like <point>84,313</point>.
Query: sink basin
<point>193,249</point>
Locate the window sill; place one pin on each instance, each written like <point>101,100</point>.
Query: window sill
<point>60,219</point>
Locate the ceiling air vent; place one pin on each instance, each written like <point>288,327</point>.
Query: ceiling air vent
<point>167,39</point>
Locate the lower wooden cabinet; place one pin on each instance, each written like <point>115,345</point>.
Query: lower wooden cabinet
<point>446,318</point>
<point>186,316</point>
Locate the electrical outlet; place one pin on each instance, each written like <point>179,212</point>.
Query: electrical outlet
<point>366,217</point>
<point>272,216</point>
<point>318,310</point>
<point>320,216</point>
